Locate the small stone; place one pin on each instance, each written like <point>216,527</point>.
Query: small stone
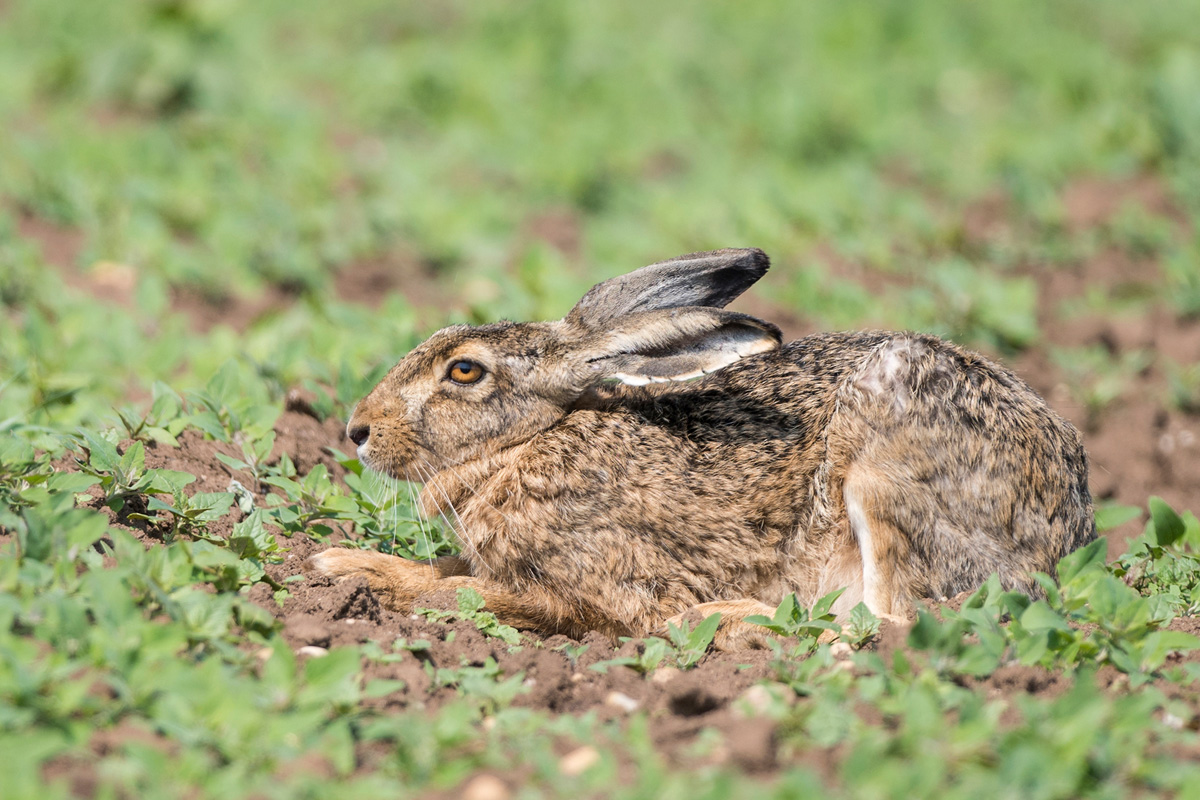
<point>312,651</point>
<point>664,675</point>
<point>308,629</point>
<point>578,761</point>
<point>622,701</point>
<point>762,700</point>
<point>265,654</point>
<point>485,787</point>
<point>488,723</point>
<point>577,677</point>
<point>841,651</point>
<point>350,620</point>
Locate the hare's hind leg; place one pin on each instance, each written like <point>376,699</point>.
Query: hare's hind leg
<point>733,633</point>
<point>881,546</point>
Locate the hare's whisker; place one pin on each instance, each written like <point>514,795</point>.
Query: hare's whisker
<point>431,482</point>
<point>421,523</point>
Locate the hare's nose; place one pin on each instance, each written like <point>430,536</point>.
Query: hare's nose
<point>359,434</point>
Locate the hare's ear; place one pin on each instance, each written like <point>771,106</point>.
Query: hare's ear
<point>676,344</point>
<point>700,279</point>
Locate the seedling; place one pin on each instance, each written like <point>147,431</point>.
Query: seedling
<point>124,475</point>
<point>483,683</point>
<point>190,514</point>
<point>790,619</point>
<point>650,654</point>
<point>162,423</point>
<point>692,643</point>
<point>572,652</point>
<point>1097,378</point>
<point>470,607</point>
<point>862,627</point>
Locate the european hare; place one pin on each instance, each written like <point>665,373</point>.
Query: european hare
<point>650,454</point>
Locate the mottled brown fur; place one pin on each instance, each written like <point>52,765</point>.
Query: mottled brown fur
<point>896,464</point>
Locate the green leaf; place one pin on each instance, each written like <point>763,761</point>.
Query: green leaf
<point>340,504</point>
<point>1040,617</point>
<point>1168,526</point>
<point>102,454</point>
<point>235,463</point>
<point>382,687</point>
<point>469,601</point>
<point>702,635</point>
<point>786,610</point>
<point>294,490</point>
<point>862,624</point>
<point>70,482</point>
<point>1090,555</point>
<point>823,606</point>
<point>332,677</point>
<point>208,506</point>
<point>133,461</point>
<point>168,481</point>
<point>1111,516</point>
<point>1160,644</point>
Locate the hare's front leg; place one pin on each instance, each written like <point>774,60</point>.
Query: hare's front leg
<point>399,582</point>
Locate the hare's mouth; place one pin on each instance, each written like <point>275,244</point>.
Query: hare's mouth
<point>410,463</point>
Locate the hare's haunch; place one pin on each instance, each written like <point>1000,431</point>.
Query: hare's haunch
<point>650,453</point>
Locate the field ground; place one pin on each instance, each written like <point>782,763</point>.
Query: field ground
<point>221,221</point>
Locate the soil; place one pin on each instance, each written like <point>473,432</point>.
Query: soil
<point>1139,446</point>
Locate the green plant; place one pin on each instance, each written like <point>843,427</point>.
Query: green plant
<point>483,684</point>
<point>1097,378</point>
<point>1164,562</point>
<point>861,627</point>
<point>790,619</point>
<point>692,643</point>
<point>162,423</point>
<point>470,608</point>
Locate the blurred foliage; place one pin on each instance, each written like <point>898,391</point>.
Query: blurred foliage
<point>229,146</point>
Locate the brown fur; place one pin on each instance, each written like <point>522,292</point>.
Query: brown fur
<point>896,464</point>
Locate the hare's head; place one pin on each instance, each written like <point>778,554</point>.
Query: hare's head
<point>470,391</point>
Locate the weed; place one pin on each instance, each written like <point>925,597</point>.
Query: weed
<point>790,619</point>
<point>470,608</point>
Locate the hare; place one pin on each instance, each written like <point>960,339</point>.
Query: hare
<point>651,454</point>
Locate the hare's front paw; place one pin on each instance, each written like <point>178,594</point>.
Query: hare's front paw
<point>341,562</point>
<point>395,580</point>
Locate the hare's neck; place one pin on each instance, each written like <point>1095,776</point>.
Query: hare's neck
<point>450,491</point>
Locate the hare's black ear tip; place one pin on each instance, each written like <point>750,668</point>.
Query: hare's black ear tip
<point>759,261</point>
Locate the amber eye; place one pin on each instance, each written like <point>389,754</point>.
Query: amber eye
<point>465,372</point>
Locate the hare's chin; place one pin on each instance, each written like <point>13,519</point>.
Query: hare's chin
<point>365,459</point>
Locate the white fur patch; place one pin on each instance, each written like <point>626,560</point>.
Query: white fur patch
<point>884,377</point>
<point>722,351</point>
<point>862,534</point>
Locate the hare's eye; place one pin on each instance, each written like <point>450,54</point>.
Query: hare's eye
<point>465,372</point>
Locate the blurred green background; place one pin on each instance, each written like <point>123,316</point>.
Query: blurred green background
<point>493,159</point>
